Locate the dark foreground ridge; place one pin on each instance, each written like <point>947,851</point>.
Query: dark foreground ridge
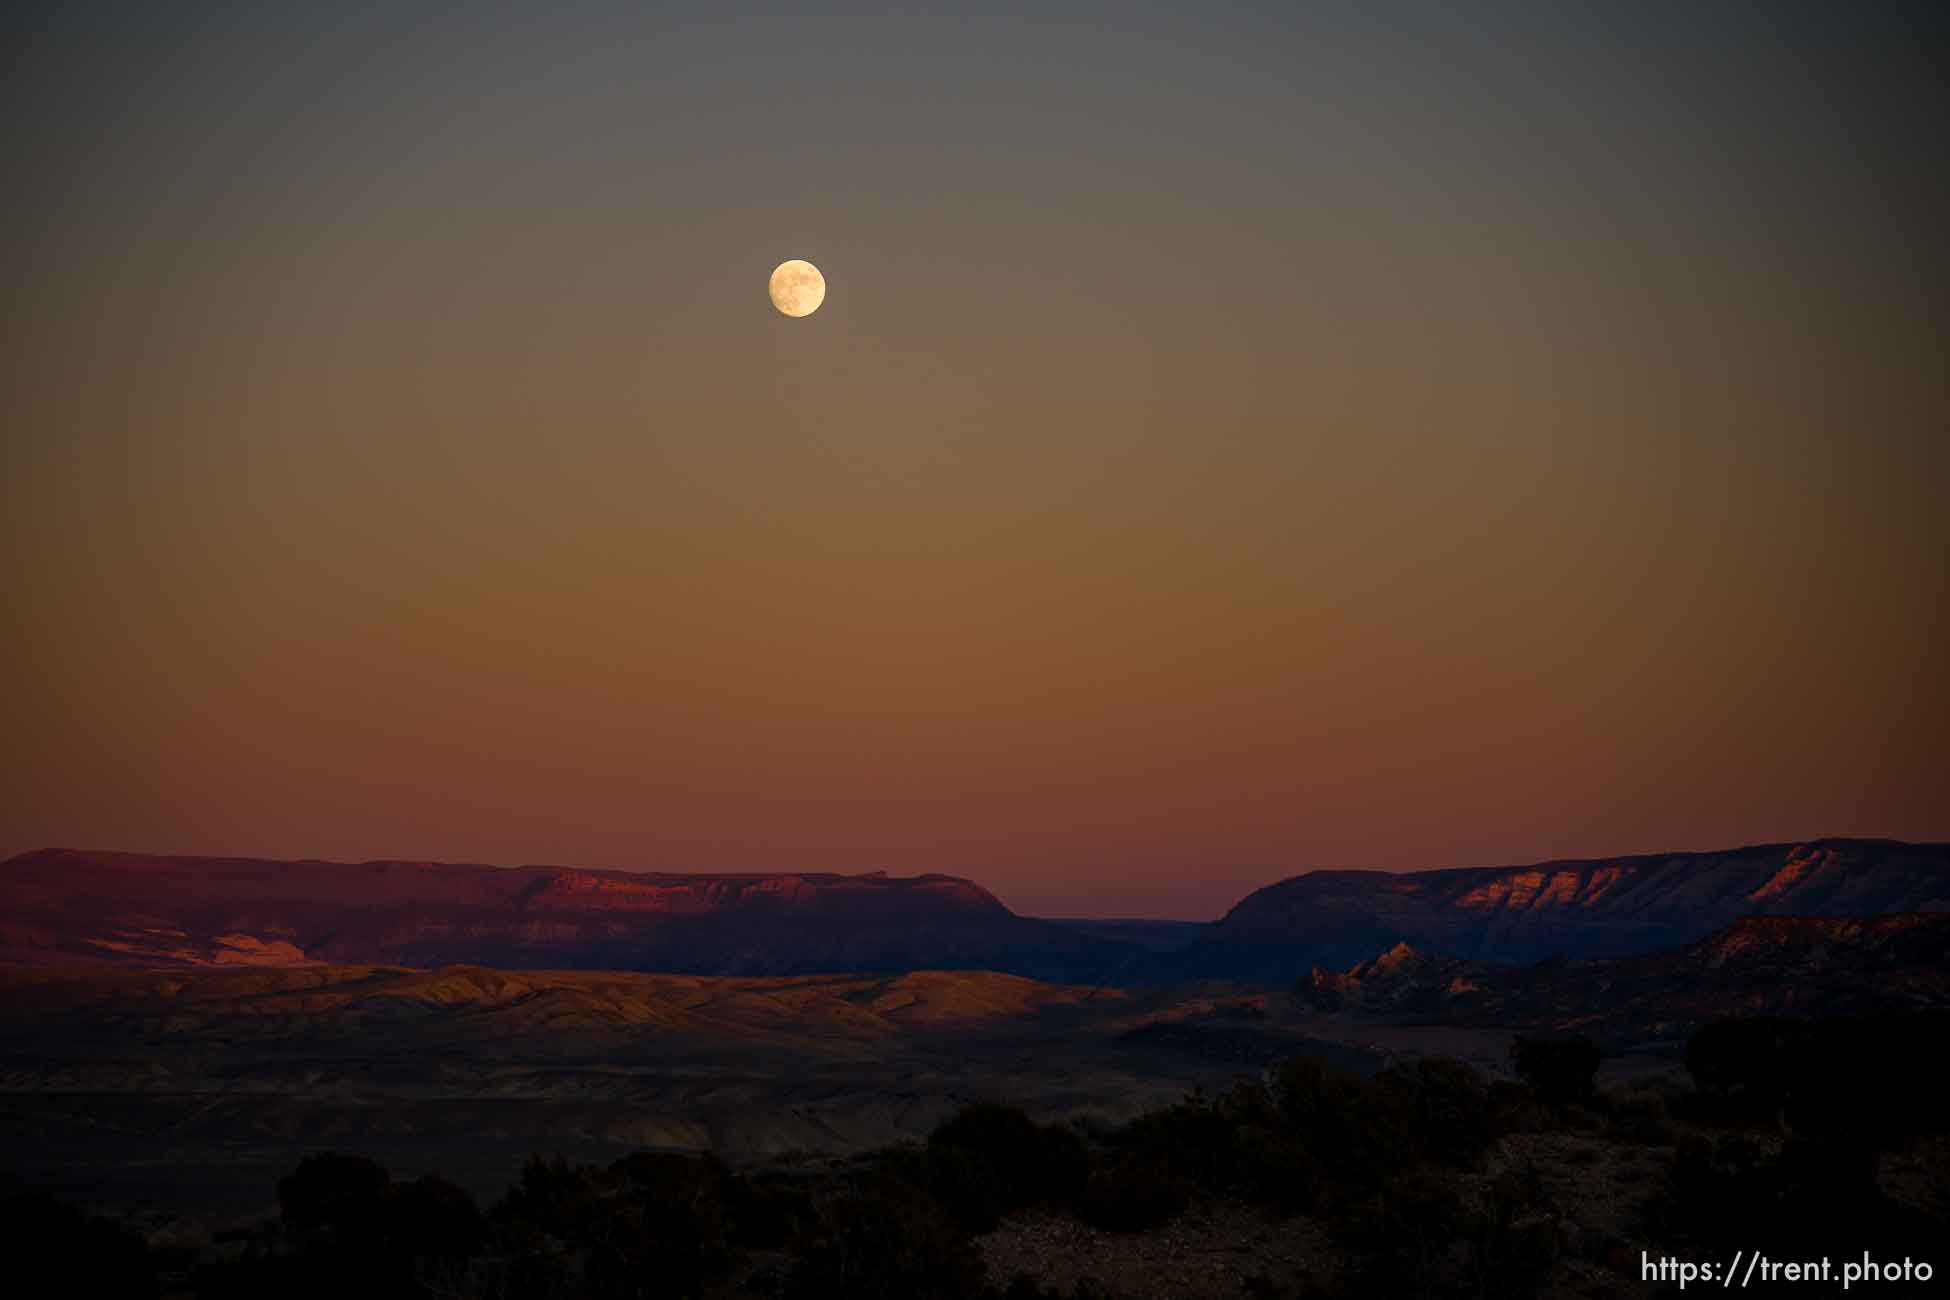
<point>1806,1140</point>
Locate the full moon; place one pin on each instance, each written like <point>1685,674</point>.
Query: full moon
<point>797,288</point>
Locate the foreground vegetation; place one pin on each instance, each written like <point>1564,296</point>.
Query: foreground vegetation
<point>1410,1173</point>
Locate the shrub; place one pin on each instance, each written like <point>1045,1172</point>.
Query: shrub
<point>431,1217</point>
<point>678,1201</point>
<point>1862,1080</point>
<point>1312,1135</point>
<point>989,1159</point>
<point>1062,1168</point>
<point>1735,1192</point>
<point>1357,1129</point>
<point>1514,1108</point>
<point>1133,1191</point>
<point>1195,1138</point>
<point>1410,1235</point>
<point>880,1238</point>
<point>1748,1057</point>
<point>1560,1069</point>
<point>768,1209</point>
<point>90,1255</point>
<point>966,1184</point>
<point>606,1232</point>
<point>1004,1133</point>
<point>1446,1103</point>
<point>1421,1235</point>
<point>1641,1117</point>
<point>1515,1239</point>
<point>1869,1080</point>
<point>333,1190</point>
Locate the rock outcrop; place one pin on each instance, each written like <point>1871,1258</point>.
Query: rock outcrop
<point>1760,965</point>
<point>1605,907</point>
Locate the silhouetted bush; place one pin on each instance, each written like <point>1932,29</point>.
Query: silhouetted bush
<point>1423,1235</point>
<point>1315,1136</point>
<point>1265,1158</point>
<point>1193,1138</point>
<point>965,1184</point>
<point>1870,1080</point>
<point>1864,1078</point>
<point>1446,1104</point>
<point>335,1191</point>
<point>652,1220</point>
<point>768,1209</point>
<point>1375,1160</point>
<point>1746,1059</point>
<point>1561,1069</point>
<point>1062,1166</point>
<point>881,1238</point>
<point>89,1255</point>
<point>431,1217</point>
<point>1357,1129</point>
<point>1003,1133</point>
<point>988,1160</point>
<point>1515,1108</point>
<point>680,1201</point>
<point>1641,1117</point>
<point>1134,1191</point>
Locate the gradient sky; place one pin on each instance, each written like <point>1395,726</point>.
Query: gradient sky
<point>1237,438</point>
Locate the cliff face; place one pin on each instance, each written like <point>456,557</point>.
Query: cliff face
<point>1598,908</point>
<point>66,907</point>
<point>1760,965</point>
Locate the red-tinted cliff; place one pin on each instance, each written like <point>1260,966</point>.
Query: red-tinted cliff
<point>62,906</point>
<point>1597,908</point>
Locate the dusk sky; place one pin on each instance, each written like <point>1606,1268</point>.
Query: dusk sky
<point>1237,438</point>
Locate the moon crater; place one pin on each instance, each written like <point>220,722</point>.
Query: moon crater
<point>797,288</point>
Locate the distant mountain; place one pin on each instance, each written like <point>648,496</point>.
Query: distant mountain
<point>68,907</point>
<point>1604,907</point>
<point>1759,965</point>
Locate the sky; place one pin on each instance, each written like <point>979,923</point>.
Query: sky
<point>1237,439</point>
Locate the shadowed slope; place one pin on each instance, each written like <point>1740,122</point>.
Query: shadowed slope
<point>63,907</point>
<point>1597,908</point>
<point>1759,965</point>
<point>196,1084</point>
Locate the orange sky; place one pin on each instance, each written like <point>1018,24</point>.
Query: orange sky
<point>1230,444</point>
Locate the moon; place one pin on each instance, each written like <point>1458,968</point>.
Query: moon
<point>797,288</point>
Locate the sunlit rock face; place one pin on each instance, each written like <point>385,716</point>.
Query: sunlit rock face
<point>1598,908</point>
<point>66,907</point>
<point>1403,979</point>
